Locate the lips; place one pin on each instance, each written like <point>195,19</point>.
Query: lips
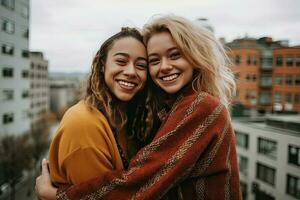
<point>170,77</point>
<point>127,84</point>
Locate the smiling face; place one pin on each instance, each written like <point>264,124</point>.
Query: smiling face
<point>125,69</point>
<point>168,68</point>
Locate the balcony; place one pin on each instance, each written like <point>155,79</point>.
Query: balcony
<point>266,64</point>
<point>265,81</point>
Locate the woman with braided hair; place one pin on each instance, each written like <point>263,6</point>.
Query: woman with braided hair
<point>102,132</point>
<point>192,155</point>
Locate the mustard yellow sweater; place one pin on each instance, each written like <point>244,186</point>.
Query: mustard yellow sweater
<point>84,146</point>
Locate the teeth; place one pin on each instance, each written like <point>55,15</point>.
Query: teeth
<point>126,84</point>
<point>169,78</point>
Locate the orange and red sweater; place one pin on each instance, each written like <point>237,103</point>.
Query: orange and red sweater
<point>193,156</point>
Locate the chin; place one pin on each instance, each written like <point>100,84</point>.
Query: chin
<point>125,97</point>
<point>171,90</point>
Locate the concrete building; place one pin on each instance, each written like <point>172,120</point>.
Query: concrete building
<point>14,67</point>
<point>65,90</point>
<point>39,90</point>
<point>267,74</point>
<point>269,157</point>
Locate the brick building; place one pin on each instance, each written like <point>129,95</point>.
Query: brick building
<point>267,74</point>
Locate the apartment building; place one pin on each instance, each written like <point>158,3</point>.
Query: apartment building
<point>14,67</point>
<point>65,90</point>
<point>39,90</point>
<point>269,157</point>
<point>267,74</point>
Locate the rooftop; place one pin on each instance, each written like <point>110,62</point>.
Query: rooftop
<point>282,124</point>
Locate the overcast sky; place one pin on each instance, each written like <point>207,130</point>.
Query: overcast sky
<point>69,32</point>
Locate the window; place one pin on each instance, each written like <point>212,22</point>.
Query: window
<point>267,147</point>
<point>298,60</point>
<point>297,79</point>
<point>288,80</point>
<point>7,49</point>
<point>25,73</point>
<point>25,94</point>
<point>293,186</point>
<point>25,11</point>
<point>26,33</point>
<point>8,72</point>
<point>265,80</point>
<point>265,173</point>
<point>8,26</point>
<point>278,80</point>
<point>279,61</point>
<point>248,77</point>
<point>294,155</point>
<point>244,189</point>
<point>296,98</point>
<point>7,94</point>
<point>277,97</point>
<point>254,60</point>
<point>249,60</point>
<point>7,118</point>
<point>237,59</point>
<point>288,98</point>
<point>8,4</point>
<point>266,63</point>
<point>25,53</point>
<point>243,164</point>
<point>289,61</point>
<point>265,98</point>
<point>242,139</point>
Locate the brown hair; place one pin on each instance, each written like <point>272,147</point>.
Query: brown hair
<point>100,96</point>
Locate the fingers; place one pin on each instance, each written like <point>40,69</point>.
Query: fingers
<point>45,170</point>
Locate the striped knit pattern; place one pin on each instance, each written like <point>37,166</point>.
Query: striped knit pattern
<point>193,152</point>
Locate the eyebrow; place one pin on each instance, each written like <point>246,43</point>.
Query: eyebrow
<point>168,50</point>
<point>127,55</point>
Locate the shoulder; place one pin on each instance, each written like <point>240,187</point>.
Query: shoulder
<point>83,121</point>
<point>82,114</point>
<point>203,101</point>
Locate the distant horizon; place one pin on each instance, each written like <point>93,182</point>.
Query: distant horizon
<point>86,72</point>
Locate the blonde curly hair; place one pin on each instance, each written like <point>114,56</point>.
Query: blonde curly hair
<point>202,50</point>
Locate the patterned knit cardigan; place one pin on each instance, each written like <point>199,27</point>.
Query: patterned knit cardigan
<point>193,156</point>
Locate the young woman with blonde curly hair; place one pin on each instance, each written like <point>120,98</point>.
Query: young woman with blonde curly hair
<point>193,155</point>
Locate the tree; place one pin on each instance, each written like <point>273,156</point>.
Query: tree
<point>39,139</point>
<point>15,156</point>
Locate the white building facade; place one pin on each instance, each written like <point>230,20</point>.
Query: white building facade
<point>66,90</point>
<point>39,90</point>
<point>14,67</point>
<point>269,158</point>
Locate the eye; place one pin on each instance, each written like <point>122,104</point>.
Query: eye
<point>154,61</point>
<point>121,62</point>
<point>175,55</point>
<point>141,65</point>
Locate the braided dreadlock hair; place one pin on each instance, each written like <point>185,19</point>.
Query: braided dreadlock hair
<point>137,119</point>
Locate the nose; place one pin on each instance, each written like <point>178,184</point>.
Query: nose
<point>165,66</point>
<point>130,70</point>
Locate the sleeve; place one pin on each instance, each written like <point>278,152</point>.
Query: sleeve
<point>80,150</point>
<point>181,140</point>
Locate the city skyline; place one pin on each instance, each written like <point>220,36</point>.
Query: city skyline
<point>70,33</point>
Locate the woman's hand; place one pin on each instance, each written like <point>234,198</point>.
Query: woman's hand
<point>43,186</point>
